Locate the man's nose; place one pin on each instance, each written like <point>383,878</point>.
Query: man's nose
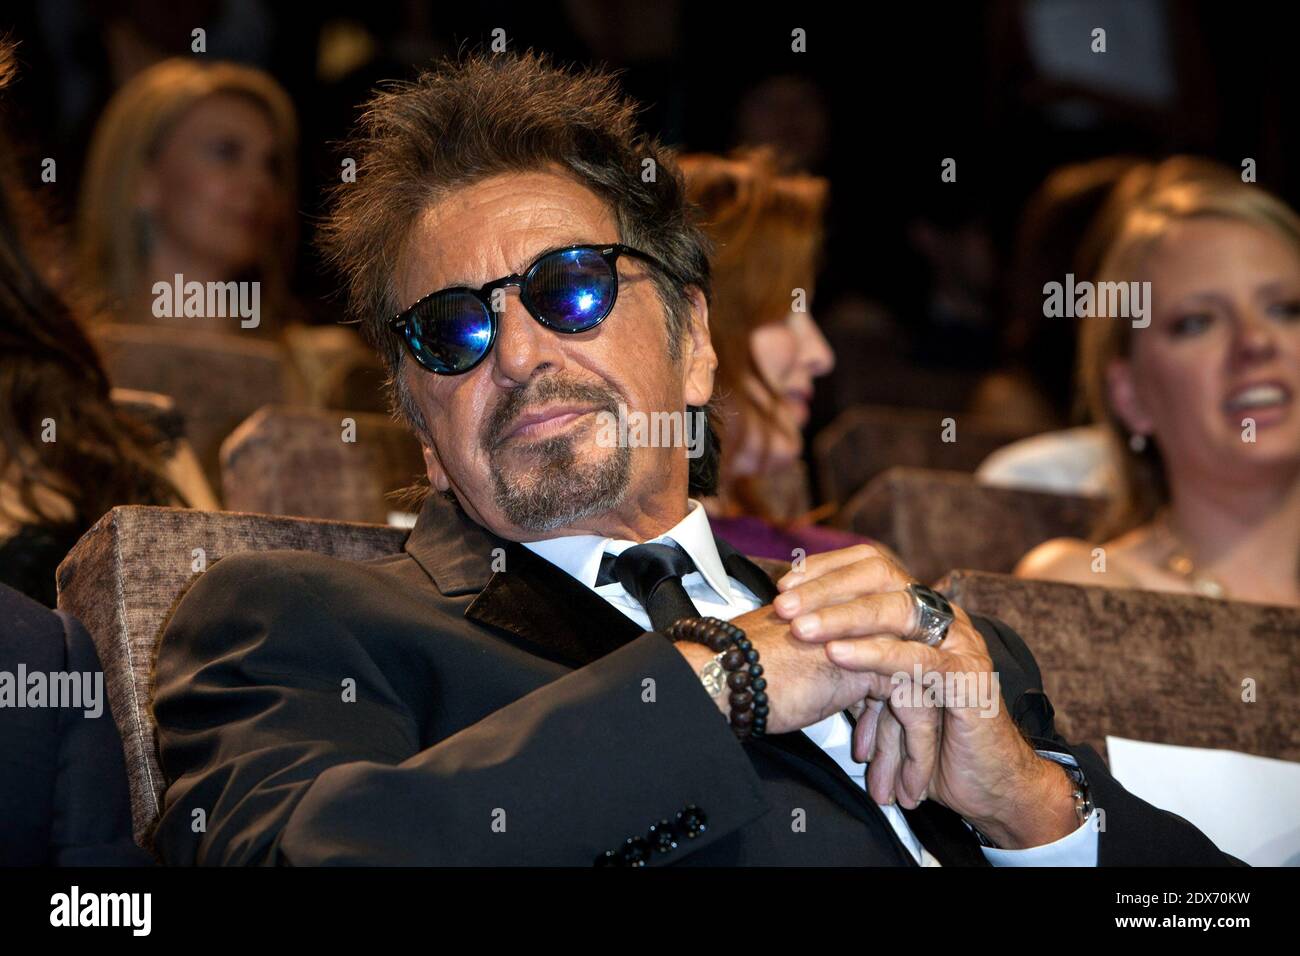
<point>523,344</point>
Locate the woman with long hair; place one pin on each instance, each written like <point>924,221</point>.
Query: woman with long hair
<point>68,454</point>
<point>766,227</point>
<point>191,172</point>
<point>1201,405</point>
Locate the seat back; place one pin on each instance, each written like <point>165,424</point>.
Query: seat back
<point>865,440</point>
<point>1148,665</point>
<point>127,573</point>
<point>316,463</point>
<point>216,379</point>
<point>939,520</point>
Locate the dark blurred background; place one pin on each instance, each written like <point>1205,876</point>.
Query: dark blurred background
<point>1008,88</point>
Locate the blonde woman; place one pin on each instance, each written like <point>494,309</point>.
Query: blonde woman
<point>191,173</point>
<point>1203,405</point>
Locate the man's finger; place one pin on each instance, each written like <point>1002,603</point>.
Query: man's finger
<point>882,773</point>
<point>884,655</point>
<point>892,612</point>
<point>815,565</point>
<point>864,731</point>
<point>840,585</point>
<point>922,735</point>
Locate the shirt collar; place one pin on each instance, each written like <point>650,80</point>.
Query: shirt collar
<point>579,554</point>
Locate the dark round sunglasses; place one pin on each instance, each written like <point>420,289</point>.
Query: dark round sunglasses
<point>567,290</point>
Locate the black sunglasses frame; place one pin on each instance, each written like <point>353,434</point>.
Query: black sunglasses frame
<point>610,252</point>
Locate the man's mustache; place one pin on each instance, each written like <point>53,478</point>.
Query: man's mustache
<point>542,391</point>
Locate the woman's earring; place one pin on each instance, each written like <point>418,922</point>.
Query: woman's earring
<point>1138,442</point>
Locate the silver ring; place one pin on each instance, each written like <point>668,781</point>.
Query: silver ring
<point>934,615</point>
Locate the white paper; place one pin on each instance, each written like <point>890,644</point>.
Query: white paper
<point>1249,806</point>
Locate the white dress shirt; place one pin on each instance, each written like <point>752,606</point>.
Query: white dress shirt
<point>717,595</point>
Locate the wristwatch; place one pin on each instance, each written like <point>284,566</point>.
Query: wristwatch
<point>1083,806</point>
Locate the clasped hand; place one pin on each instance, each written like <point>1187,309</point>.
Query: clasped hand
<point>962,750</point>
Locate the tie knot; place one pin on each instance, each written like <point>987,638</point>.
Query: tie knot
<point>643,568</point>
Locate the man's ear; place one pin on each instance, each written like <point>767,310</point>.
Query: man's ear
<point>699,360</point>
<point>433,468</point>
<point>1122,391</point>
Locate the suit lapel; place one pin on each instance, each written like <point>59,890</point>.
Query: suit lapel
<point>550,610</point>
<point>532,600</point>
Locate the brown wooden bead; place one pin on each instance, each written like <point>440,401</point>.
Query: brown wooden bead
<point>734,660</point>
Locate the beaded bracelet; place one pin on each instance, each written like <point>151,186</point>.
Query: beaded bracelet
<point>739,658</point>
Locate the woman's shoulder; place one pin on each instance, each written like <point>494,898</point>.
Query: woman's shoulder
<point>1074,561</point>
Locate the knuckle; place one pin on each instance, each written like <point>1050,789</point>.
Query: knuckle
<point>863,552</point>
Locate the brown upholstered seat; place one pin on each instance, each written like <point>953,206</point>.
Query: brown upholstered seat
<point>1154,666</point>
<point>128,572</point>
<point>939,520</point>
<point>865,440</point>
<point>216,379</point>
<point>325,354</point>
<point>295,461</point>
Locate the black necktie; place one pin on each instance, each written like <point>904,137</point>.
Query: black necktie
<point>652,574</point>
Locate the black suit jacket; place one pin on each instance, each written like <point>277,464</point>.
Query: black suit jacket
<point>63,793</point>
<point>424,709</point>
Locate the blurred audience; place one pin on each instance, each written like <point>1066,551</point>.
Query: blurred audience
<point>766,229</point>
<point>1067,228</point>
<point>1039,380</point>
<point>1201,405</point>
<point>67,453</point>
<point>191,173</point>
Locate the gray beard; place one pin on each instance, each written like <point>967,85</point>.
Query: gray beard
<point>559,492</point>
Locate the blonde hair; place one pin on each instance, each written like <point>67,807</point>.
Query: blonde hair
<point>1180,190</point>
<point>110,232</point>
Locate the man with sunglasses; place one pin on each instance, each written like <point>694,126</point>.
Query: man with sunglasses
<point>564,666</point>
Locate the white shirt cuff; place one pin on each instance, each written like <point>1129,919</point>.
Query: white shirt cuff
<point>1074,849</point>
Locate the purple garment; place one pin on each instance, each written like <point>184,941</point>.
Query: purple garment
<point>760,539</point>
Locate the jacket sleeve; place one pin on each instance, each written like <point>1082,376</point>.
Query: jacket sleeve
<point>1131,831</point>
<point>267,763</point>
